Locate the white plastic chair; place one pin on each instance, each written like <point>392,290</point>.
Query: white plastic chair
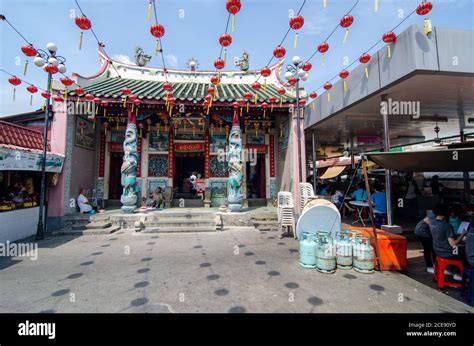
<point>286,215</point>
<point>306,191</point>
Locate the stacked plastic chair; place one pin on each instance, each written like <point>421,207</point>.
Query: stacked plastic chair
<point>286,215</point>
<point>306,191</point>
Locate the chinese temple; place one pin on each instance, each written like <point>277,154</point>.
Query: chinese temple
<point>129,129</point>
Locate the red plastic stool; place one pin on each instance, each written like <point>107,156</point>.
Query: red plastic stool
<point>440,266</point>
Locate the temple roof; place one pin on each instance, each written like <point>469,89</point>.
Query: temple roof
<point>191,86</point>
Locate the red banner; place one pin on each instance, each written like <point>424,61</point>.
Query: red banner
<point>272,156</point>
<point>191,147</point>
<point>259,148</point>
<point>171,156</point>
<point>102,155</point>
<point>115,147</point>
<point>206,155</point>
<point>139,150</point>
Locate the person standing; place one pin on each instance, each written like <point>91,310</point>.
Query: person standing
<point>411,198</point>
<point>423,233</point>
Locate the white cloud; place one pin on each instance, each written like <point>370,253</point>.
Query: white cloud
<point>125,59</point>
<point>172,60</point>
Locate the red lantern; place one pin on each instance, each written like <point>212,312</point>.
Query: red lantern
<point>33,90</point>
<point>306,66</point>
<point>346,22</point>
<point>328,86</point>
<point>323,48</point>
<point>233,7</point>
<point>50,68</point>
<point>388,38</point>
<point>157,30</point>
<point>15,81</point>
<point>79,91</point>
<point>344,74</point>
<point>292,81</point>
<point>89,97</point>
<point>279,52</point>
<point>265,72</point>
<point>67,81</point>
<point>132,98</point>
<point>364,59</point>
<point>126,91</point>
<point>215,80</point>
<point>302,102</point>
<point>248,95</point>
<point>58,98</point>
<point>424,8</point>
<point>82,124</point>
<point>296,23</point>
<point>256,86</point>
<point>219,64</point>
<point>225,40</point>
<point>211,90</point>
<point>282,92</point>
<point>97,101</point>
<point>313,95</point>
<point>29,50</point>
<point>105,104</point>
<point>84,24</point>
<point>45,94</point>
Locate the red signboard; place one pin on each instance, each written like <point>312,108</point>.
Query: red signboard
<point>171,155</point>
<point>272,156</point>
<point>259,148</point>
<point>102,155</point>
<point>115,147</point>
<point>189,147</point>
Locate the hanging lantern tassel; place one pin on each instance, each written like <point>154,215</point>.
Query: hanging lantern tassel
<point>265,85</point>
<point>133,107</point>
<point>31,99</point>
<point>367,72</point>
<point>248,103</point>
<point>157,129</point>
<point>105,112</point>
<point>241,111</point>
<point>264,112</point>
<point>324,4</point>
<point>427,26</point>
<point>157,47</point>
<point>25,68</point>
<point>125,101</point>
<point>136,113</point>
<point>256,98</point>
<point>170,110</point>
<point>376,5</point>
<point>44,106</point>
<point>329,96</point>
<point>149,11</point>
<point>208,108</point>
<point>14,94</point>
<point>312,105</point>
<point>225,56</point>
<point>346,34</point>
<point>388,51</point>
<point>88,107</point>
<point>80,40</point>
<point>296,40</point>
<point>96,109</point>
<point>117,122</point>
<point>345,86</point>
<point>233,23</point>
<point>322,60</point>
<point>271,107</point>
<point>65,95</point>
<point>281,101</point>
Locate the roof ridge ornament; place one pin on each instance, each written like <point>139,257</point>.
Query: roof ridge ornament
<point>243,61</point>
<point>141,59</point>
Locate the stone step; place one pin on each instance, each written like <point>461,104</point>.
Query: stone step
<point>262,217</point>
<point>180,215</point>
<point>98,225</point>
<point>177,229</point>
<point>179,222</point>
<point>92,231</point>
<point>189,203</point>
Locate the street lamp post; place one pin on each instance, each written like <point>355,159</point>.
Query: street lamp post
<point>52,64</point>
<point>295,71</point>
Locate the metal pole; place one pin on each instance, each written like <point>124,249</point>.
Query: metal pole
<point>315,170</point>
<point>388,176</point>
<point>465,175</point>
<point>300,171</point>
<point>351,146</point>
<point>40,229</point>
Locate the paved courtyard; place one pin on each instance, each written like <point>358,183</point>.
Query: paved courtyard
<point>230,271</point>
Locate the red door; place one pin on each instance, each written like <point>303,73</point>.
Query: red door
<point>115,185</point>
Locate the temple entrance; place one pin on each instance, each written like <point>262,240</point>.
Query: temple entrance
<point>115,186</point>
<point>187,164</point>
<point>256,178</point>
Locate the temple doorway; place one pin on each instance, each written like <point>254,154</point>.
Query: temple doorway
<point>115,186</point>
<point>187,164</point>
<point>256,178</point>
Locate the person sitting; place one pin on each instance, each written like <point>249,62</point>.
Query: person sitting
<point>445,240</point>
<point>157,197</point>
<point>379,200</point>
<point>193,184</point>
<point>470,244</point>
<point>323,191</point>
<point>83,203</point>
<point>455,217</point>
<point>338,197</point>
<point>360,195</point>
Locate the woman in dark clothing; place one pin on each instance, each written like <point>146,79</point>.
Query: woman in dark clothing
<point>422,231</point>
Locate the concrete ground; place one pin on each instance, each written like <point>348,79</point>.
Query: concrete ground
<point>230,271</point>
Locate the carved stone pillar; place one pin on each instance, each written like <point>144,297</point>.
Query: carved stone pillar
<point>129,166</point>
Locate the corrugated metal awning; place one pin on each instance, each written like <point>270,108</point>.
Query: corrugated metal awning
<point>446,160</point>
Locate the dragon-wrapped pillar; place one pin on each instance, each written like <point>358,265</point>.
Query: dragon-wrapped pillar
<point>129,166</point>
<point>234,188</point>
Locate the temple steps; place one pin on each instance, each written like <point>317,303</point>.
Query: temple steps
<point>175,221</point>
<point>177,229</point>
<point>265,221</point>
<point>180,222</point>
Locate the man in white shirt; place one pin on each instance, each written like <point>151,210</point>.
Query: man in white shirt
<point>83,203</point>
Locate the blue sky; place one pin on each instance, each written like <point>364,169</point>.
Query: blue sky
<point>192,30</point>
